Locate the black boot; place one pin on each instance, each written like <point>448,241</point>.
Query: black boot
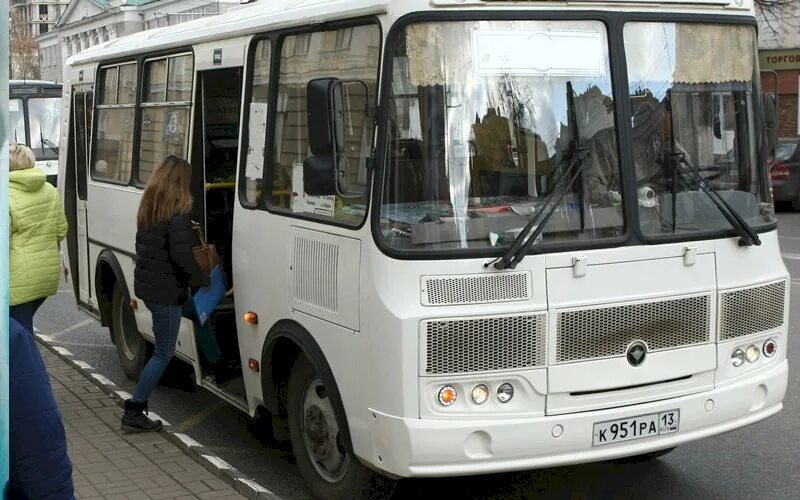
<point>134,419</point>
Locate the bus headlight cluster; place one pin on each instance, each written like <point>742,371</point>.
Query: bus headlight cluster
<point>752,353</point>
<point>480,394</point>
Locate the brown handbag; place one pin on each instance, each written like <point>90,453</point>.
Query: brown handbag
<point>206,255</point>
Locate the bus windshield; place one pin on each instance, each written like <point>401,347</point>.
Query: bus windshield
<point>696,105</point>
<point>44,121</point>
<point>16,120</point>
<point>479,131</point>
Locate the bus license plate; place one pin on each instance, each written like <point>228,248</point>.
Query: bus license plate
<point>643,426</point>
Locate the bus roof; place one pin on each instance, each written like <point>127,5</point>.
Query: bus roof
<point>262,16</point>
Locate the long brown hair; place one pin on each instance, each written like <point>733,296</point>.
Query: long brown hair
<point>168,193</point>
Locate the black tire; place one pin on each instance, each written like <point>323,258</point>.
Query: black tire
<point>131,346</point>
<point>644,457</point>
<point>352,479</point>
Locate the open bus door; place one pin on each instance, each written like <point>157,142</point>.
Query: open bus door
<point>82,107</point>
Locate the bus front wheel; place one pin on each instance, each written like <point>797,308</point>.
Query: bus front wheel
<point>329,470</point>
<point>131,346</point>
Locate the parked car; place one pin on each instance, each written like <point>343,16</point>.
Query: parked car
<point>785,172</point>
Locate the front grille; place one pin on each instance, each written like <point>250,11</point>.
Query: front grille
<point>752,310</point>
<point>452,290</point>
<point>608,331</point>
<point>485,344</point>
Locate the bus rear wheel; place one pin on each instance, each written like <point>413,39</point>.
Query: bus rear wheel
<point>131,346</point>
<point>329,470</point>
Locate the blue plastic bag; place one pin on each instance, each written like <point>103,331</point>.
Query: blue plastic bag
<point>207,299</point>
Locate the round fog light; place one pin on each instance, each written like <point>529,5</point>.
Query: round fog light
<point>737,358</point>
<point>752,354</point>
<point>770,348</point>
<point>505,392</point>
<point>480,393</point>
<point>447,395</point>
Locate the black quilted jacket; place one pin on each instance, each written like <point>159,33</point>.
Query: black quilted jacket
<point>165,263</point>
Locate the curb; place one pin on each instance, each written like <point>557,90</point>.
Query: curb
<point>222,469</point>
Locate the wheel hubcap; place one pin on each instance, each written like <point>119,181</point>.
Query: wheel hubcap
<point>321,434</point>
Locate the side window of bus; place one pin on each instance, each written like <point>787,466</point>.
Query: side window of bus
<point>350,55</point>
<point>253,174</point>
<point>166,102</point>
<point>116,103</point>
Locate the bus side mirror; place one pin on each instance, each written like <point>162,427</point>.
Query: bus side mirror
<point>325,137</point>
<point>770,123</point>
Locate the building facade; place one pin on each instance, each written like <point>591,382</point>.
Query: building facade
<point>779,58</point>
<point>86,23</point>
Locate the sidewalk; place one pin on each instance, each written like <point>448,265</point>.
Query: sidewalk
<point>109,463</point>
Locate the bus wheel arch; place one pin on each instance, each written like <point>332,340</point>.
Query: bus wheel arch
<point>115,313</point>
<point>286,341</point>
<point>296,365</point>
<point>108,273</point>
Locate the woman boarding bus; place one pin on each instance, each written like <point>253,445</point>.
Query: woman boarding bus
<point>465,236</point>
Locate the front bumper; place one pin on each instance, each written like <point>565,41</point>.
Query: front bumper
<point>431,447</point>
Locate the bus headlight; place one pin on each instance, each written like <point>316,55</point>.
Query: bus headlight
<point>770,348</point>
<point>480,393</point>
<point>505,392</point>
<point>752,354</point>
<point>737,358</point>
<point>447,395</point>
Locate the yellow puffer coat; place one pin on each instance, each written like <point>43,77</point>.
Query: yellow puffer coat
<point>38,225</point>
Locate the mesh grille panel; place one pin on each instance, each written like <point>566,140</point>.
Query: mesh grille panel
<point>604,332</point>
<point>752,310</point>
<point>484,344</point>
<point>475,289</point>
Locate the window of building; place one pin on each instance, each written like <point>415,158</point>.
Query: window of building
<point>357,67</point>
<point>113,149</point>
<point>165,111</point>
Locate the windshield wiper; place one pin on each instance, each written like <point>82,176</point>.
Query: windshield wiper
<point>748,236</point>
<point>527,237</point>
<point>47,142</point>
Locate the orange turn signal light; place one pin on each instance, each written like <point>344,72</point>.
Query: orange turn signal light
<point>251,318</point>
<point>253,364</point>
<point>134,304</point>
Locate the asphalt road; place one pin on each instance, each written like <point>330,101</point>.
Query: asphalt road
<point>760,461</point>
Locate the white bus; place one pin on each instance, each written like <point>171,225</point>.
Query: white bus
<point>465,236</point>
<point>34,108</point>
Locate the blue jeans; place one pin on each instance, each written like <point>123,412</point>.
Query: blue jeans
<point>23,313</point>
<point>166,323</point>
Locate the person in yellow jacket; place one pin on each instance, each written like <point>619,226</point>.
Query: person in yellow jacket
<point>38,225</point>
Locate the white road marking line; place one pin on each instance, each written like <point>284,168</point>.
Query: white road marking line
<point>62,351</point>
<point>124,395</point>
<point>254,485</point>
<point>44,338</point>
<point>82,344</point>
<point>218,462</point>
<point>72,328</point>
<point>187,440</point>
<point>154,416</point>
<point>102,379</point>
<point>83,364</point>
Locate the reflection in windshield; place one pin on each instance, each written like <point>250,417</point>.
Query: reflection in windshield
<point>44,120</point>
<point>696,103</point>
<point>785,150</point>
<point>479,132</point>
<point>16,121</point>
